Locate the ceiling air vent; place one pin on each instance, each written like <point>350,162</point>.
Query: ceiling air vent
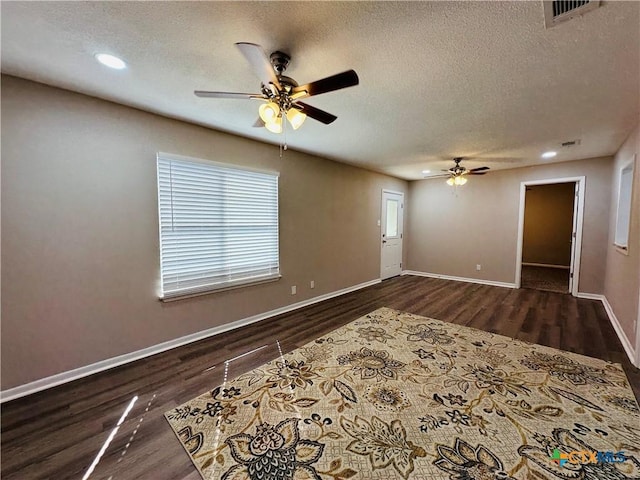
<point>556,11</point>
<point>571,143</point>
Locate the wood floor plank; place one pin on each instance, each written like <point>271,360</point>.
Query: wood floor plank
<point>57,433</point>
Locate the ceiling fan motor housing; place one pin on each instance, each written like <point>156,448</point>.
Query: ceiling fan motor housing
<point>458,169</point>
<point>280,62</point>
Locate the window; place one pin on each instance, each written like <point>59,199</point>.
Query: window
<point>624,206</point>
<point>392,218</point>
<point>218,225</point>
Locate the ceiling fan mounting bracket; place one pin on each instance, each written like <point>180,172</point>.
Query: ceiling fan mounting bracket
<point>280,61</point>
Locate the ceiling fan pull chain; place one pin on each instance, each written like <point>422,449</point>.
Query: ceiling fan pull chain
<point>283,144</point>
<point>284,131</point>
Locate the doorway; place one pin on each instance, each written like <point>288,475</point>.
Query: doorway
<point>550,234</point>
<point>391,225</point>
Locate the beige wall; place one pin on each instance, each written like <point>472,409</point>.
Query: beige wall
<point>548,223</point>
<point>451,230</point>
<point>622,282</point>
<point>80,229</point>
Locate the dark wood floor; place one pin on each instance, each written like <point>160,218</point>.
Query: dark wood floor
<point>56,434</point>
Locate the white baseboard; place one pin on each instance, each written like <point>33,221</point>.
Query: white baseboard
<point>546,265</point>
<point>591,296</point>
<point>459,279</point>
<point>626,344</point>
<point>75,374</point>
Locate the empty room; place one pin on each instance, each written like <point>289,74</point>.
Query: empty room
<point>320,240</point>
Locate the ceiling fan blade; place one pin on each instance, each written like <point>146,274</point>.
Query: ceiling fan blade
<point>479,169</point>
<point>261,64</point>
<point>477,173</point>
<point>315,113</point>
<point>205,94</point>
<point>441,175</point>
<point>329,84</point>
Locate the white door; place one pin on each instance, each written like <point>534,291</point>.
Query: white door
<point>391,234</point>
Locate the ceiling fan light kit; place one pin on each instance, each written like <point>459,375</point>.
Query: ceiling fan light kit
<point>457,181</point>
<point>282,94</point>
<point>271,114</point>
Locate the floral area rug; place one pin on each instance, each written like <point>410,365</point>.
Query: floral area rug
<point>394,395</point>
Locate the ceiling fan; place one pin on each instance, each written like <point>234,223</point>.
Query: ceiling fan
<point>457,173</point>
<point>282,94</point>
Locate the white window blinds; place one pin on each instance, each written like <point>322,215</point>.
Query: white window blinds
<point>218,225</point>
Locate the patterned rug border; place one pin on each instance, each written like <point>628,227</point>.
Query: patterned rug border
<point>517,340</point>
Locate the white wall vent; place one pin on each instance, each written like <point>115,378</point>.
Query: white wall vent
<point>556,11</point>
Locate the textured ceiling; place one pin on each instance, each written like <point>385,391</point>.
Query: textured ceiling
<point>437,79</point>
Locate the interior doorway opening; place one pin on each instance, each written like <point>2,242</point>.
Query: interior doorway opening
<point>550,235</point>
<point>547,236</point>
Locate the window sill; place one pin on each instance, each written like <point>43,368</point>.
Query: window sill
<point>197,292</point>
<point>621,249</point>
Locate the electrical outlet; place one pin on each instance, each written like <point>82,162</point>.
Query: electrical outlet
<point>312,284</point>
<point>478,267</point>
<point>293,290</point>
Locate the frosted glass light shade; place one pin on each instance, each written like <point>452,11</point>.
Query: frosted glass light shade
<point>268,112</point>
<point>275,125</point>
<point>450,181</point>
<point>296,118</point>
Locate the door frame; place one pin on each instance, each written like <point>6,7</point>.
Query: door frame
<point>578,212</point>
<point>380,232</point>
<point>637,359</point>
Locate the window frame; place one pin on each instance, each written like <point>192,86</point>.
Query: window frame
<point>205,289</point>
<point>623,211</point>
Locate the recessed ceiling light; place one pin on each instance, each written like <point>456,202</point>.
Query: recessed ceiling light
<point>549,154</point>
<point>111,61</point>
<point>426,171</point>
